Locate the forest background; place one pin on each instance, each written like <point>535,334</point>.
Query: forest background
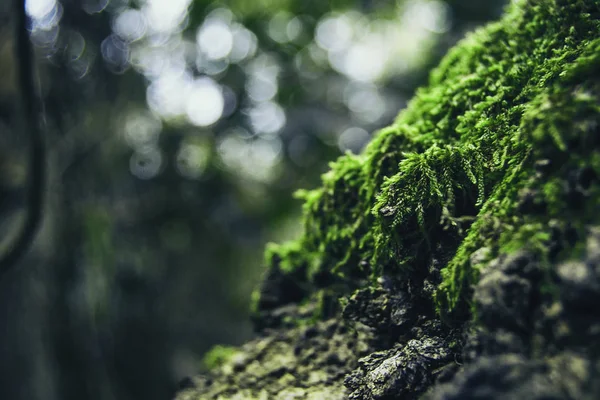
<point>177,132</point>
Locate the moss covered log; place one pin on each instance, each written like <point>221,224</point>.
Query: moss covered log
<point>465,232</point>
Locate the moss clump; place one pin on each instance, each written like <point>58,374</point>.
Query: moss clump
<point>459,159</point>
<point>217,356</point>
<point>484,191</point>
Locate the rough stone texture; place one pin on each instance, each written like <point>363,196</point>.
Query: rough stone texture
<point>308,362</point>
<point>459,256</point>
<point>554,355</point>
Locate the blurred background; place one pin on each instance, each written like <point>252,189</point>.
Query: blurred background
<point>177,131</point>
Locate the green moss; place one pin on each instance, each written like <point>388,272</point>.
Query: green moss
<point>520,90</point>
<point>217,356</point>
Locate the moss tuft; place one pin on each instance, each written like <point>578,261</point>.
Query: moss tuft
<point>480,152</point>
<point>217,356</point>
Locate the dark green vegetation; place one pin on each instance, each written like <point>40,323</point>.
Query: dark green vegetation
<point>466,230</point>
<point>511,96</point>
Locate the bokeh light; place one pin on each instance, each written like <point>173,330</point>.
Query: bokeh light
<point>115,53</point>
<point>263,74</point>
<point>244,43</point>
<point>165,16</point>
<point>145,163</point>
<point>141,129</point>
<point>364,101</point>
<point>38,9</point>
<point>130,25</point>
<point>353,140</point>
<point>205,102</point>
<point>335,33</point>
<point>266,118</point>
<point>215,39</point>
<point>284,27</point>
<point>254,158</point>
<point>167,94</point>
<point>192,159</point>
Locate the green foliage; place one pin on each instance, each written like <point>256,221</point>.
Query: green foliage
<point>218,356</point>
<point>520,90</point>
<point>426,185</point>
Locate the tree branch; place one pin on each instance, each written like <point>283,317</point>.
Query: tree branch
<point>37,152</point>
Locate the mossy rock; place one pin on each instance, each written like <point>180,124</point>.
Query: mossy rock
<point>459,232</point>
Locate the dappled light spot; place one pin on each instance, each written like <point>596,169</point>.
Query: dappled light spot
<point>170,57</point>
<point>364,61</point>
<point>277,27</point>
<point>149,60</point>
<point>130,25</point>
<point>211,67</point>
<point>252,158</point>
<point>294,29</point>
<point>364,101</point>
<point>39,9</point>
<point>115,53</point>
<point>221,13</point>
<point>263,158</point>
<point>146,163</point>
<point>318,55</point>
<point>306,66</point>
<point>204,105</point>
<point>141,129</point>
<point>368,50</point>
<point>266,118</point>
<point>166,95</point>
<point>261,87</point>
<point>334,33</point>
<point>46,38</point>
<point>192,160</point>
<point>433,15</point>
<point>353,140</point>
<point>244,43</point>
<point>263,73</point>
<point>165,15</point>
<point>45,14</point>
<point>215,39</point>
<point>232,145</point>
<point>284,27</point>
<point>360,60</point>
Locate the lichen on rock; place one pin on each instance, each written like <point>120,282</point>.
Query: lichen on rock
<point>462,227</point>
